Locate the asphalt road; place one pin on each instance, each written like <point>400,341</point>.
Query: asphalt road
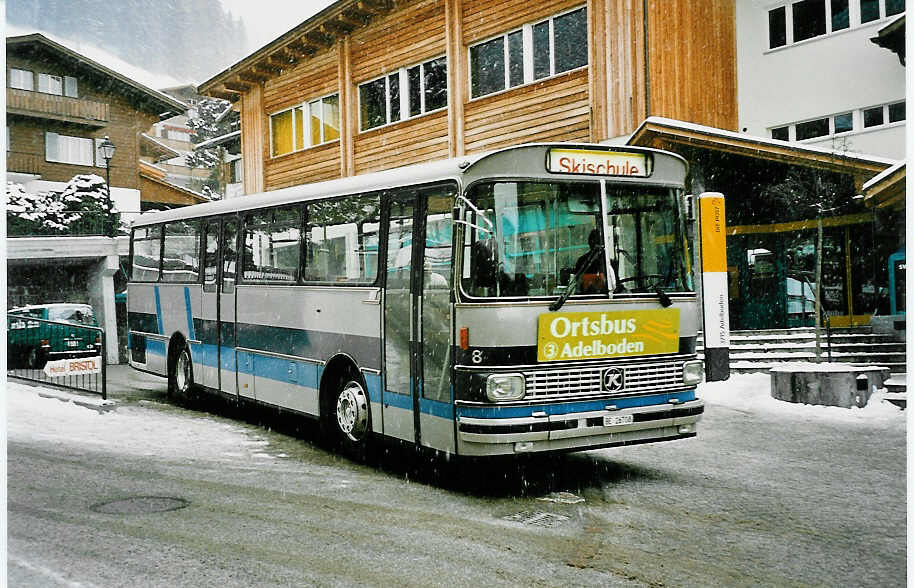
<point>755,499</point>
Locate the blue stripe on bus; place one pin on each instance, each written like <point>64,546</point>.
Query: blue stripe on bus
<point>155,347</point>
<point>161,329</point>
<point>503,412</point>
<point>190,316</point>
<point>398,400</point>
<point>436,408</point>
<point>373,382</point>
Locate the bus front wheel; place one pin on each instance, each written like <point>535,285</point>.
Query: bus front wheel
<point>351,416</point>
<point>181,374</point>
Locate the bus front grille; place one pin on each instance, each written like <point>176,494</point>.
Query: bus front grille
<point>587,381</point>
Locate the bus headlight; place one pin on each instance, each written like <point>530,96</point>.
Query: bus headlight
<point>504,387</point>
<point>693,372</point>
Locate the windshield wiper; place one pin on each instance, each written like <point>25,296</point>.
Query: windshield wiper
<point>573,282</point>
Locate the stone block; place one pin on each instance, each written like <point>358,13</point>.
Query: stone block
<point>827,384</point>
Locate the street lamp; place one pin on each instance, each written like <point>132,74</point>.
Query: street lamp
<point>106,152</point>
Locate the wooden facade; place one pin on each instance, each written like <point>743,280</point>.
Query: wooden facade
<point>107,104</point>
<point>673,58</point>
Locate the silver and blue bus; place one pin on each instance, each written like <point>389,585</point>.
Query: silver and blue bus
<point>538,298</point>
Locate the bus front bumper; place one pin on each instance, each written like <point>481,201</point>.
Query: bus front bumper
<point>578,430</point>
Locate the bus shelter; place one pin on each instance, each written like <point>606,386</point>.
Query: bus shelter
<point>777,194</point>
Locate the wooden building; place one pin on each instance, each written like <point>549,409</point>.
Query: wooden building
<point>374,84</point>
<point>60,105</point>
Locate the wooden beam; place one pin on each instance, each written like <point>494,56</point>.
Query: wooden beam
<point>224,94</point>
<point>373,6</point>
<point>353,18</point>
<point>322,37</point>
<point>237,86</point>
<point>253,76</point>
<point>338,27</point>
<point>301,48</point>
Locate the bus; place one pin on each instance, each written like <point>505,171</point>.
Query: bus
<point>537,298</point>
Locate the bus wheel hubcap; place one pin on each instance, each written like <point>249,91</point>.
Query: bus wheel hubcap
<point>182,373</point>
<point>352,411</point>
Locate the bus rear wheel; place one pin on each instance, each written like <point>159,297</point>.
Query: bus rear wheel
<point>351,416</point>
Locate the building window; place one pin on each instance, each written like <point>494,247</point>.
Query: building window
<point>71,150</point>
<point>869,10</point>
<point>533,52</point>
<point>50,84</point>
<point>812,129</point>
<point>404,93</point>
<point>872,117</point>
<point>840,15</point>
<point>896,112</point>
<point>844,122</point>
<point>70,87</point>
<point>781,133</point>
<point>807,19</point>
<point>22,79</point>
<point>305,125</point>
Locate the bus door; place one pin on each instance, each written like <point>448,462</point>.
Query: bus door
<point>417,404</point>
<point>218,312</point>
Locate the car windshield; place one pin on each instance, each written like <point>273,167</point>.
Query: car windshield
<point>531,238</point>
<point>80,315</point>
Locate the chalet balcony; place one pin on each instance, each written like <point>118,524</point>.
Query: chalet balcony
<point>62,108</point>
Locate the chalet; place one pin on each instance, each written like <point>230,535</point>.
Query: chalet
<point>60,105</point>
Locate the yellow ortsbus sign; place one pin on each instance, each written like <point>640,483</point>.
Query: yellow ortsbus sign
<point>564,336</point>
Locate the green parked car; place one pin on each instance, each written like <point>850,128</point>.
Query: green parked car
<point>32,343</point>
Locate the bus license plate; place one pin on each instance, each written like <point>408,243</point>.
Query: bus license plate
<point>73,343</point>
<point>617,419</point>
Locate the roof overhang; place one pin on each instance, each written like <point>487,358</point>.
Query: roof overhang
<point>668,134</point>
<point>891,37</point>
<point>320,32</point>
<point>887,190</point>
<point>156,149</point>
<point>155,174</point>
<point>156,102</point>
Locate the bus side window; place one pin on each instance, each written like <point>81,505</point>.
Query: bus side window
<point>210,256</point>
<point>229,234</point>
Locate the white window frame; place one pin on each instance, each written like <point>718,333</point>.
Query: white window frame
<point>854,21</point>
<point>17,76</point>
<point>44,83</point>
<point>54,143</point>
<point>298,111</point>
<point>70,87</point>
<point>856,117</point>
<point>403,75</point>
<point>527,35</point>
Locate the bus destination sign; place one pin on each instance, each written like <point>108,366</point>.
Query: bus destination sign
<point>597,163</point>
<point>563,336</point>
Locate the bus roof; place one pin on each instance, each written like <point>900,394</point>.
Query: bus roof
<point>416,174</point>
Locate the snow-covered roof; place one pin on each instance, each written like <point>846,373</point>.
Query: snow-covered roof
<point>883,175</point>
<point>218,140</point>
<point>758,143</point>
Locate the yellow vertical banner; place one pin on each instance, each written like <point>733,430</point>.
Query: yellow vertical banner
<point>714,291</point>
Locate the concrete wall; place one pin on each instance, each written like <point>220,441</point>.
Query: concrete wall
<point>826,75</point>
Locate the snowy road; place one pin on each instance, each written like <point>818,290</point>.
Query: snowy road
<point>768,494</point>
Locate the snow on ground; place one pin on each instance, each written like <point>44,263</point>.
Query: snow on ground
<point>752,393</point>
<point>37,414</point>
<point>42,414</point>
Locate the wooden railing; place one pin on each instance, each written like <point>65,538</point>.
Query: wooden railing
<point>58,107</point>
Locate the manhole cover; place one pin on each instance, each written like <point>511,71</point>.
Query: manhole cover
<point>537,519</point>
<point>140,505</point>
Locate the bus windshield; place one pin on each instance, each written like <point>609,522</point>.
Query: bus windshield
<point>529,238</point>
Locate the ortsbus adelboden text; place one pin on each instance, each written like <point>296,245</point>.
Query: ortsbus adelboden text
<point>493,304</point>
